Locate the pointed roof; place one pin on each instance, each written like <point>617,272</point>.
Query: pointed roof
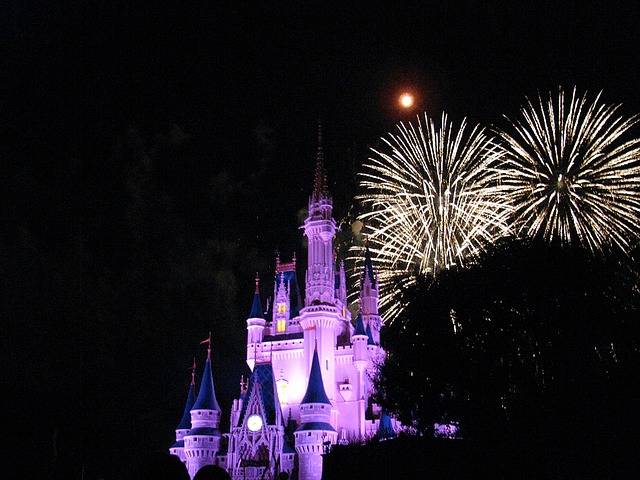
<point>315,389</point>
<point>368,265</point>
<point>370,340</point>
<point>359,325</point>
<point>185,423</point>
<point>256,308</point>
<point>207,397</point>
<point>385,427</point>
<point>320,184</point>
<point>262,382</point>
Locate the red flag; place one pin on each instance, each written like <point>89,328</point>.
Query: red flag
<point>208,340</point>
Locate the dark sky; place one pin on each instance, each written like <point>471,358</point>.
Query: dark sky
<point>154,158</point>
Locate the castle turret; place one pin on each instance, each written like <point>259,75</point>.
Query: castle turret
<point>369,297</point>
<point>359,339</point>
<point>255,325</point>
<point>321,316</point>
<point>203,441</point>
<point>315,432</point>
<point>184,426</point>
<point>320,229</point>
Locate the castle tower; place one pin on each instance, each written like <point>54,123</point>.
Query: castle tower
<point>369,297</point>
<point>320,229</point>
<point>320,319</point>
<point>315,433</point>
<point>255,325</point>
<point>184,426</point>
<point>202,443</point>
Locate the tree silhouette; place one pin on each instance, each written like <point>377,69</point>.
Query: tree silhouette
<point>535,345</point>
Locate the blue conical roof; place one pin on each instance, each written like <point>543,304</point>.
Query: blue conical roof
<point>359,325</point>
<point>256,307</point>
<point>315,389</point>
<point>370,340</point>
<point>207,396</point>
<point>185,423</point>
<point>368,265</point>
<point>263,381</point>
<point>385,428</point>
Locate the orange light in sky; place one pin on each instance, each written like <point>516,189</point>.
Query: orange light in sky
<point>406,100</point>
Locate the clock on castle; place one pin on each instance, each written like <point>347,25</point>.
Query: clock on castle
<point>311,362</point>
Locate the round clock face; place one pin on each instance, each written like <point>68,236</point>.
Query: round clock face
<point>254,423</point>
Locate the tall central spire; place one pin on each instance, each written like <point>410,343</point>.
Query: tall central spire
<point>320,229</point>
<point>320,190</point>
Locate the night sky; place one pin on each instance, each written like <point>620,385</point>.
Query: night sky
<point>154,158</point>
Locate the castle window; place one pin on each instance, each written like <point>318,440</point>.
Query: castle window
<point>282,308</point>
<point>282,326</point>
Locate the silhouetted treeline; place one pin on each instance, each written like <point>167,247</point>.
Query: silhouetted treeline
<point>536,348</point>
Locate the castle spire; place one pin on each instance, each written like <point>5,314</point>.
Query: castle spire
<point>184,426</point>
<point>315,389</point>
<point>256,307</point>
<point>320,229</point>
<point>320,184</point>
<point>207,396</point>
<point>185,423</point>
<point>202,442</point>
<point>368,266</point>
<point>370,340</point>
<point>360,325</point>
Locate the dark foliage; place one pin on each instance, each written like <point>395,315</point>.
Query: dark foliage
<point>535,345</point>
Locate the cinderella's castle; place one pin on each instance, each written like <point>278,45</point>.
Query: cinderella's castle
<point>310,383</point>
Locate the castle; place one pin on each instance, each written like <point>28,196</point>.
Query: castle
<point>310,384</point>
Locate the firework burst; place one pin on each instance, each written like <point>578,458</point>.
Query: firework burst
<point>431,201</point>
<point>570,175</point>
